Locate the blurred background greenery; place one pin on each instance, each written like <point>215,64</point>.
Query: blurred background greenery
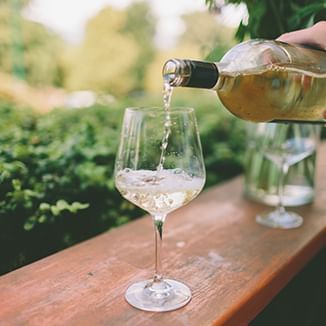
<point>61,106</point>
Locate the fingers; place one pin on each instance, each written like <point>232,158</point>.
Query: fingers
<point>301,37</point>
<point>314,36</point>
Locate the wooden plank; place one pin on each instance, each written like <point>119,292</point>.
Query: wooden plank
<point>233,265</point>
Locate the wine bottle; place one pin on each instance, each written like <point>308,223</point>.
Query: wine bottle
<point>261,81</point>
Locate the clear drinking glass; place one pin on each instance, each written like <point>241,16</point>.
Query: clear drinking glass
<point>285,145</point>
<point>261,174</point>
<point>159,188</point>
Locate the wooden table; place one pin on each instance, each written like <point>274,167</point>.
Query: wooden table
<point>234,266</point>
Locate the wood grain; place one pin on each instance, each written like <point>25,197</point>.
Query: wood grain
<point>233,265</point>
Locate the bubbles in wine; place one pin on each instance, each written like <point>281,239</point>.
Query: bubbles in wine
<point>158,192</point>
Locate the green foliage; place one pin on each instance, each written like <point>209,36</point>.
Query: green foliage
<point>205,31</point>
<point>19,3</point>
<point>42,55</point>
<point>56,173</point>
<point>270,18</point>
<point>29,42</point>
<point>56,184</point>
<point>140,25</point>
<point>117,47</point>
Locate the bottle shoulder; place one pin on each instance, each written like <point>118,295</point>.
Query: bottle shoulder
<point>257,53</point>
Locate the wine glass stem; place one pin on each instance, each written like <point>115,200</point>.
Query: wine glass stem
<point>281,184</point>
<point>158,228</point>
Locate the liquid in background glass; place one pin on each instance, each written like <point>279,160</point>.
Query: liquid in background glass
<point>261,174</point>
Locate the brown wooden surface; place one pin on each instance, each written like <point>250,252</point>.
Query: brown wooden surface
<point>233,266</point>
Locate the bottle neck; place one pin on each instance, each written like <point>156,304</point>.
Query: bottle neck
<point>190,73</point>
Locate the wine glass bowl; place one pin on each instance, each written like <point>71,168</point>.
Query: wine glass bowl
<point>159,167</point>
<point>285,145</point>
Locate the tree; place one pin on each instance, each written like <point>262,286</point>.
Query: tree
<point>37,49</point>
<point>8,3</point>
<point>270,18</point>
<point>140,25</point>
<point>104,60</point>
<point>117,47</point>
<point>42,55</point>
<point>204,30</point>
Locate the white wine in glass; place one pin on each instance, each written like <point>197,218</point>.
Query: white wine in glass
<point>159,178</point>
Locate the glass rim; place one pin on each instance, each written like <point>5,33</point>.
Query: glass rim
<point>181,109</point>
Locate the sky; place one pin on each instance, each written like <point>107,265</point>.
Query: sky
<point>68,17</point>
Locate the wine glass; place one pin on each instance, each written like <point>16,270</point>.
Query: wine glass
<point>286,144</point>
<point>159,167</point>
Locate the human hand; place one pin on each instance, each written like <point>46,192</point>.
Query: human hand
<point>314,36</point>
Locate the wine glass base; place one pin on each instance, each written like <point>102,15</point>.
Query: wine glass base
<point>280,220</point>
<point>166,295</point>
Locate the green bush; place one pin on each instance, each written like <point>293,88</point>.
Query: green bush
<point>56,184</point>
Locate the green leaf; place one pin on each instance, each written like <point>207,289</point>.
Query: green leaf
<point>61,205</point>
<point>45,207</point>
<point>42,219</point>
<point>30,223</point>
<point>16,184</point>
<point>307,14</point>
<point>241,32</point>
<point>55,210</point>
<point>76,206</point>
